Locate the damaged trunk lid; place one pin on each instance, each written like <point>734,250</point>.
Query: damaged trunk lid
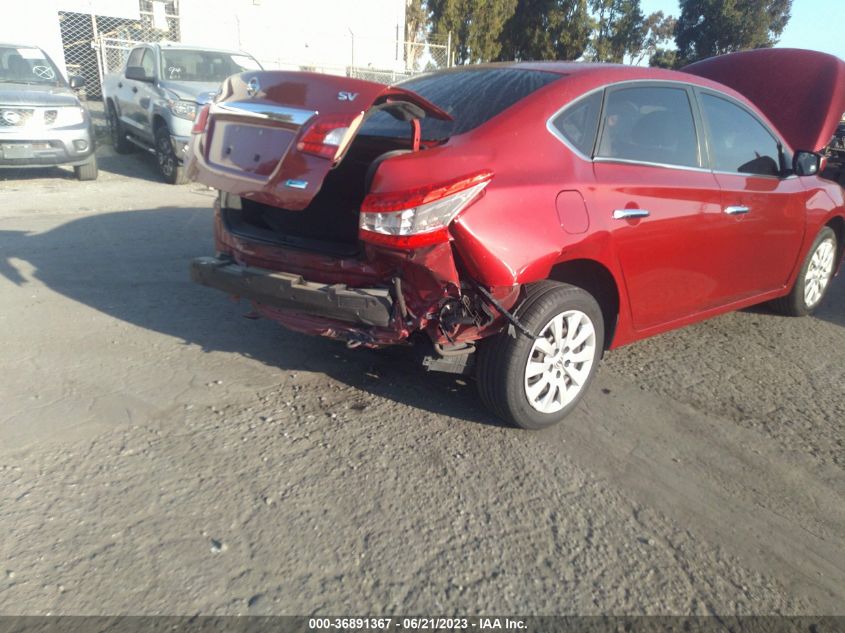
<point>273,136</point>
<point>802,92</point>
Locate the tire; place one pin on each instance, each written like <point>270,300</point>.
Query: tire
<point>813,280</point>
<point>87,171</point>
<point>118,135</point>
<point>171,170</point>
<point>538,400</point>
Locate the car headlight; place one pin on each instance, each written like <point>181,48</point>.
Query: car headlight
<point>183,109</point>
<point>67,116</point>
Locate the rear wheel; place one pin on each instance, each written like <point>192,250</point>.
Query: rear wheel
<point>535,383</point>
<point>813,279</point>
<point>168,163</point>
<point>87,171</point>
<point>118,135</point>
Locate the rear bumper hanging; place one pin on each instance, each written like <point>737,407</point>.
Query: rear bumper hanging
<point>365,306</point>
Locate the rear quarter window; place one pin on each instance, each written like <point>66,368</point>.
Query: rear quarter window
<point>471,97</point>
<point>579,122</point>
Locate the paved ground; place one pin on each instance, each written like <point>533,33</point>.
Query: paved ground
<point>161,454</point>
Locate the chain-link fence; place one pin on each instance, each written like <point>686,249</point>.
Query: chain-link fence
<point>417,57</point>
<point>405,59</point>
<point>95,44</point>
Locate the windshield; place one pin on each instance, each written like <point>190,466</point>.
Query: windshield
<point>28,65</point>
<point>470,96</point>
<point>205,66</point>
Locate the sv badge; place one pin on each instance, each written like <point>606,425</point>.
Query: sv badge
<point>346,96</point>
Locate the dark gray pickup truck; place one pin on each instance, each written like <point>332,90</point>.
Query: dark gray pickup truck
<point>41,120</point>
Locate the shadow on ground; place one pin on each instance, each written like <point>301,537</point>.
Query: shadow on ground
<point>139,164</point>
<point>831,310</point>
<point>37,173</point>
<point>133,266</point>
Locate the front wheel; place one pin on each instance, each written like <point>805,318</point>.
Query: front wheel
<point>168,163</point>
<point>535,383</point>
<point>87,171</point>
<point>118,135</point>
<point>813,279</point>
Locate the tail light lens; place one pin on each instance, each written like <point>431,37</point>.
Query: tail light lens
<point>418,217</point>
<point>329,135</point>
<point>201,121</point>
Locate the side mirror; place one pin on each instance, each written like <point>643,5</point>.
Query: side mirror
<point>77,82</point>
<point>137,73</point>
<point>806,163</point>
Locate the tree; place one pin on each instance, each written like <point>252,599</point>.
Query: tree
<point>476,26</point>
<point>416,27</point>
<point>620,29</point>
<point>659,29</point>
<point>714,27</point>
<point>664,58</point>
<point>546,29</point>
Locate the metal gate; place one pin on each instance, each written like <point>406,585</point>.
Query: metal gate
<point>95,44</point>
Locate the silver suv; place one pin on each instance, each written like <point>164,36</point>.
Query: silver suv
<point>41,120</point>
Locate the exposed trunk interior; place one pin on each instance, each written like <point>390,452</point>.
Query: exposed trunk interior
<point>330,222</point>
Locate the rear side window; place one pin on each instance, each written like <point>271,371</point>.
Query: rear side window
<point>579,122</point>
<point>648,124</point>
<point>471,97</point>
<point>738,141</point>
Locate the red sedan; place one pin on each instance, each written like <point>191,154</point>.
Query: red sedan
<point>521,219</point>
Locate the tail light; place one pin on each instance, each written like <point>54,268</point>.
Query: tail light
<point>201,121</point>
<point>418,217</point>
<point>329,135</point>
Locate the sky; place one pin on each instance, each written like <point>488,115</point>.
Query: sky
<point>815,24</point>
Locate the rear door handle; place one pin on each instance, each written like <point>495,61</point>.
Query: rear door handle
<point>737,210</point>
<point>627,214</point>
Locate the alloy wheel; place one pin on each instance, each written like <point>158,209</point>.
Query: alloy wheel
<point>166,158</point>
<point>819,272</point>
<point>560,361</point>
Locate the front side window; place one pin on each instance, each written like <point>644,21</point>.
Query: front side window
<point>148,63</point>
<point>738,141</point>
<point>135,57</point>
<point>650,125</point>
<point>578,123</point>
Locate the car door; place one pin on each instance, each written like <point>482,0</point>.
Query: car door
<point>765,204</point>
<point>146,94</point>
<point>660,201</point>
<point>133,89</point>
<point>125,97</point>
